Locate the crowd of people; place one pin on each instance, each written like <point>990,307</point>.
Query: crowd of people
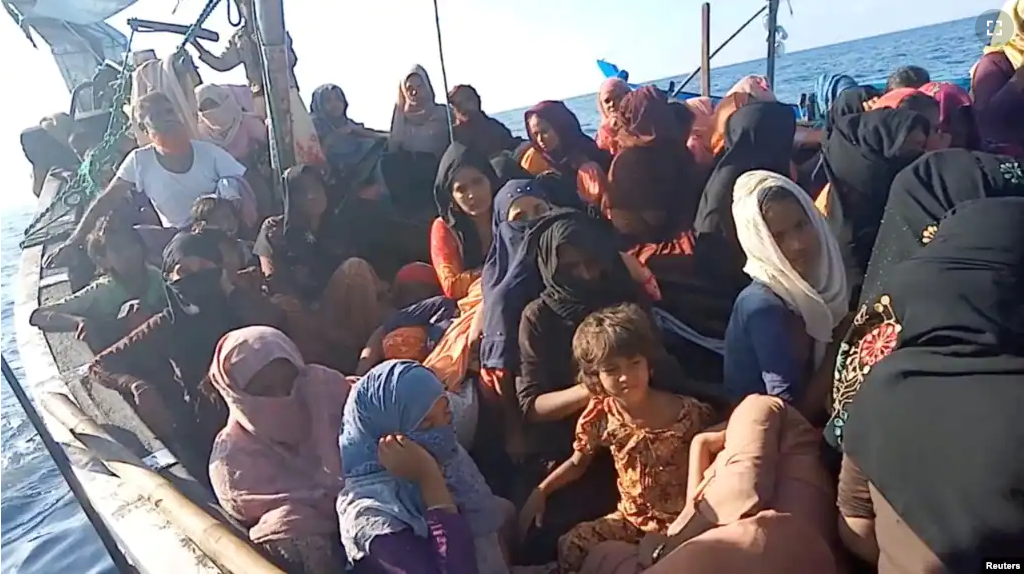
<point>709,339</point>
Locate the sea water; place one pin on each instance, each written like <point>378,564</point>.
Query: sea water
<point>43,529</point>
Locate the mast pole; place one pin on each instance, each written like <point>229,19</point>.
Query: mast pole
<point>770,60</point>
<point>706,58</point>
<point>277,79</point>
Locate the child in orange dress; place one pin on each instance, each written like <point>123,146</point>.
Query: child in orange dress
<point>648,432</point>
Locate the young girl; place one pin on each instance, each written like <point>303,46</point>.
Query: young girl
<point>647,431</point>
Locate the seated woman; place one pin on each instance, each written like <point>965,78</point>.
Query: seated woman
<point>758,500</point>
<point>643,428</point>
<point>559,144</point>
<point>413,500</point>
<point>784,321</point>
<point>353,151</point>
<point>461,235</point>
<point>128,292</point>
<point>748,89</point>
<point>159,366</point>
<point>919,198</point>
<point>275,466</point>
<point>581,271</point>
<point>998,87</point>
<point>419,136</point>
<point>861,156</point>
<point>611,92</point>
<point>699,142</point>
<point>917,493</point>
<point>333,303</point>
<point>222,121</point>
<point>475,129</point>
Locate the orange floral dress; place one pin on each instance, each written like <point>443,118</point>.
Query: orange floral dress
<point>651,466</point>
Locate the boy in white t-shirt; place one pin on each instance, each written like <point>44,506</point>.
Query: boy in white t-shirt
<point>173,171</point>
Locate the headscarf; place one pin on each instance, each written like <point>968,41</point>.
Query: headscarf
<point>1013,48</point>
<point>759,136</point>
<point>477,130</point>
<point>318,107</point>
<point>827,88</point>
<point>699,143</point>
<point>456,157</point>
<point>419,130</point>
<point>849,102</point>
<point>573,142</point>
<point>570,297</point>
<point>861,156</point>
<point>392,399</point>
<point>645,117</point>
<point>923,193</point>
<point>952,99</point>
<point>506,294</point>
<point>723,111</point>
<point>161,76</point>
<point>958,358</point>
<point>756,86</point>
<point>507,235</point>
<point>606,136</point>
<point>822,300</point>
<point>220,125</point>
<point>275,465</point>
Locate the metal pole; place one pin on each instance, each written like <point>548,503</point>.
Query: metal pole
<point>277,82</point>
<point>64,466</point>
<point>444,74</point>
<point>706,41</point>
<point>770,60</point>
<point>719,49</point>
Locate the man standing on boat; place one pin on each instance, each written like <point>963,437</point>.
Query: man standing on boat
<point>172,172</point>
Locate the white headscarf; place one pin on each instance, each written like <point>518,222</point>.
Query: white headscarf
<point>422,131</point>
<point>160,76</point>
<point>822,302</point>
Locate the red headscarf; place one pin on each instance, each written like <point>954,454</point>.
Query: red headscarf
<point>606,136</point>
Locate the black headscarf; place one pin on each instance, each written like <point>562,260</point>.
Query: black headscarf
<point>759,135</point>
<point>570,297</point>
<point>923,193</point>
<point>937,426</point>
<point>849,102</point>
<point>456,157</point>
<point>861,155</point>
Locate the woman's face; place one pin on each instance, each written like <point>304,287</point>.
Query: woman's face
<point>439,416</point>
<point>543,134</point>
<point>335,104</point>
<point>415,88</point>
<point>314,198</point>
<point>794,233</point>
<point>610,101</point>
<point>577,264</point>
<point>276,379</point>
<point>528,208</point>
<point>471,191</point>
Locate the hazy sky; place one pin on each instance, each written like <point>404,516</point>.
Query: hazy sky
<point>514,53</point>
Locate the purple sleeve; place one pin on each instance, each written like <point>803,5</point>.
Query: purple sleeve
<point>448,549</point>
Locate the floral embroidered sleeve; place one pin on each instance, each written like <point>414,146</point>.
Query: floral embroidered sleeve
<point>447,260</point>
<point>592,183</point>
<point>591,425</point>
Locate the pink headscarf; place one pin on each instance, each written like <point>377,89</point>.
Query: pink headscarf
<point>227,124</point>
<point>699,142</point>
<point>755,85</point>
<point>276,465</point>
<point>606,136</point>
<point>951,98</point>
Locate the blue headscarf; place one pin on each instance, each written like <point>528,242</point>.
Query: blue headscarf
<point>392,399</point>
<point>827,88</point>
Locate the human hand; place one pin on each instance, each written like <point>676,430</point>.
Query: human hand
<point>403,457</point>
<point>532,512</point>
<point>81,331</point>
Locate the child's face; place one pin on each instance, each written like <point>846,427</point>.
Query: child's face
<point>625,378</point>
<point>224,219</point>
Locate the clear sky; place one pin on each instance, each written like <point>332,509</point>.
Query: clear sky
<point>514,53</point>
